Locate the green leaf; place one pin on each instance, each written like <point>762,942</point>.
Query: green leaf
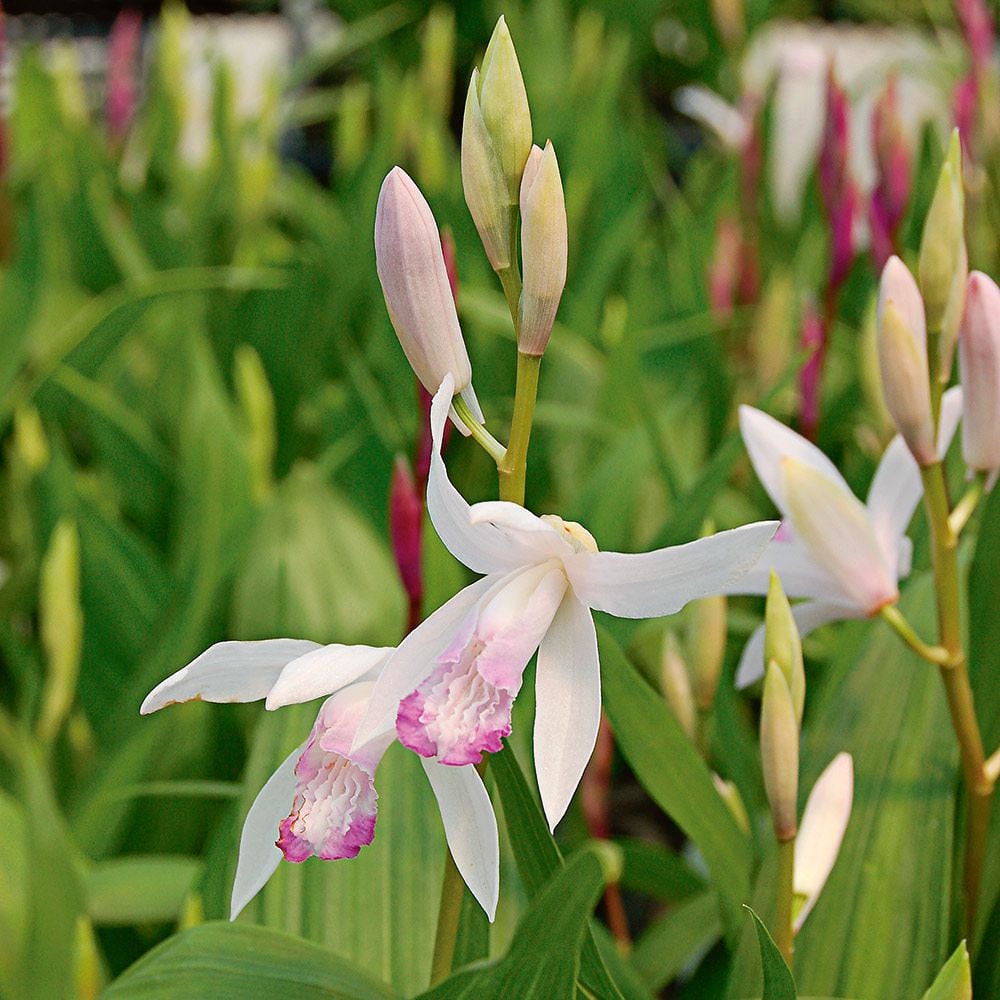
<point>539,859</point>
<point>667,944</point>
<point>649,735</point>
<point>954,981</point>
<point>778,981</point>
<point>14,909</point>
<point>135,890</point>
<point>221,961</point>
<point>544,957</point>
<point>655,871</point>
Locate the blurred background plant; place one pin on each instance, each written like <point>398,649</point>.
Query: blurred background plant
<point>202,402</point>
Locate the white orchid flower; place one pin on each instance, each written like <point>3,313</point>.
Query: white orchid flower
<point>321,800</point>
<point>845,557</point>
<point>821,832</point>
<point>450,685</point>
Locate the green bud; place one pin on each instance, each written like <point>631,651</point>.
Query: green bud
<point>779,751</point>
<point>88,967</point>
<point>944,262</point>
<point>782,643</point>
<point>437,67</point>
<point>730,794</point>
<point>30,443</point>
<point>496,141</point>
<point>675,682</point>
<point>61,626</point>
<point>257,404</point>
<point>352,138</point>
<point>707,647</point>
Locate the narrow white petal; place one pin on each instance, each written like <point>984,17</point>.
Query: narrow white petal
<point>483,547</point>
<point>809,616</point>
<point>228,672</point>
<point>323,671</point>
<point>471,828</point>
<point>768,441</point>
<point>567,705</point>
<point>415,657</point>
<point>650,584</point>
<point>258,854</point>
<point>800,574</point>
<point>821,832</point>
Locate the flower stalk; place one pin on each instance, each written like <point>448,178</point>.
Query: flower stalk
<point>784,936</point>
<point>513,468</point>
<point>955,675</point>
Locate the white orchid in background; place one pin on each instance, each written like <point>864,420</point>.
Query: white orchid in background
<point>450,685</point>
<point>321,800</point>
<point>845,557</point>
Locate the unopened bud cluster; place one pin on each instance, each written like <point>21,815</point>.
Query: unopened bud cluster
<point>918,327</point>
<point>509,183</point>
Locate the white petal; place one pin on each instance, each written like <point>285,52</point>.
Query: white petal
<point>415,656</point>
<point>708,108</point>
<point>471,828</point>
<point>650,584</point>
<point>822,830</point>
<point>809,616</point>
<point>323,671</point>
<point>896,487</point>
<point>567,705</point>
<point>228,672</point>
<point>538,539</point>
<point>800,574</point>
<point>483,547</point>
<point>768,441</point>
<point>258,854</point>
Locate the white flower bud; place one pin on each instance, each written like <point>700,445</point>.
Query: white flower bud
<point>782,644</point>
<point>415,284</point>
<point>544,249</point>
<point>979,359</point>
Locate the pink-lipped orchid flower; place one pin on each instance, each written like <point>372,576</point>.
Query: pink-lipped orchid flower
<point>321,800</point>
<point>845,557</point>
<point>450,685</point>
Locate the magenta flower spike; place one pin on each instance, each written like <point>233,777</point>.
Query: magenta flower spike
<point>321,800</point>
<point>836,185</point>
<point>123,52</point>
<point>892,186</point>
<point>450,685</point>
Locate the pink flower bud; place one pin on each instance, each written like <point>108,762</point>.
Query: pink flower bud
<point>411,268</point>
<point>979,359</point>
<point>813,339</point>
<point>978,29</point>
<point>123,48</point>
<point>837,188</point>
<point>406,514</point>
<point>892,187</point>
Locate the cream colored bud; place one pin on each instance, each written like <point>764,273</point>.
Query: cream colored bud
<point>979,360</point>
<point>902,356</point>
<point>414,280</point>
<point>484,183</point>
<point>504,105</point>
<point>544,249</point>
<point>782,644</point>
<point>944,261</point>
<point>779,751</point>
<point>675,682</point>
<point>707,647</point>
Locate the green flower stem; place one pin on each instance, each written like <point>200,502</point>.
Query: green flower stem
<point>965,507</point>
<point>510,277</point>
<point>513,468</point>
<point>784,935</point>
<point>979,786</point>
<point>932,654</point>
<point>478,432</point>
<point>449,913</point>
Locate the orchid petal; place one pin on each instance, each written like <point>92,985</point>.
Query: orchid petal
<point>821,832</point>
<point>484,548</point>
<point>470,826</point>
<point>809,616</point>
<point>542,540</point>
<point>323,671</point>
<point>228,672</point>
<point>800,575</point>
<point>258,854</point>
<point>897,487</point>
<point>567,705</point>
<point>768,441</point>
<point>415,656</point>
<point>650,584</point>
